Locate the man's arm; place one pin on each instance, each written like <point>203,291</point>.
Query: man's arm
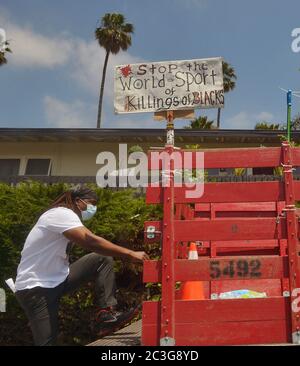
<point>86,239</point>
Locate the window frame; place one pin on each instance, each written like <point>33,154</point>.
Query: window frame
<point>14,157</point>
<point>39,157</point>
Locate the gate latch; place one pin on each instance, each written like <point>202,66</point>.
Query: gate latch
<point>151,232</point>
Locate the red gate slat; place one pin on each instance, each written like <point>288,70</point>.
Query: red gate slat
<point>233,333</point>
<point>230,229</point>
<point>224,192</point>
<point>295,156</point>
<point>297,189</point>
<point>222,334</point>
<point>206,311</point>
<point>242,158</point>
<point>222,322</point>
<point>247,243</point>
<point>241,206</point>
<point>225,158</point>
<point>208,269</point>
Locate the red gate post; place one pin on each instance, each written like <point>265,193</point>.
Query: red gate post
<point>167,329</point>
<point>292,240</point>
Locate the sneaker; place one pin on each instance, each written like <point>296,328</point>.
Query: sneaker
<point>106,315</point>
<point>109,320</point>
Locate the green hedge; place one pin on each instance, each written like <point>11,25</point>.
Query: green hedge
<point>120,218</point>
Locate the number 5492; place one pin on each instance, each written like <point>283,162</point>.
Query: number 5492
<point>239,268</point>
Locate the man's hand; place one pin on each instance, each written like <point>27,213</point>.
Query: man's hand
<point>138,256</point>
<point>85,238</point>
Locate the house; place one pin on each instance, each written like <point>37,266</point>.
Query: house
<point>69,155</point>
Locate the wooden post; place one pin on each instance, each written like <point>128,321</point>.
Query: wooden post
<point>170,128</point>
<point>167,329</point>
<point>292,240</point>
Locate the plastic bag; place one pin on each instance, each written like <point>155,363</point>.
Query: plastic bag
<point>241,294</point>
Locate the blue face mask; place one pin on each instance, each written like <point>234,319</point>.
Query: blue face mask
<point>89,212</point>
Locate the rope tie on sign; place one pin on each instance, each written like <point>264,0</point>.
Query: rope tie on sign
<point>282,215</point>
<point>287,168</point>
<point>289,208</point>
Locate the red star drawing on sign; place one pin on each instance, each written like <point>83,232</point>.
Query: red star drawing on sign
<point>126,70</point>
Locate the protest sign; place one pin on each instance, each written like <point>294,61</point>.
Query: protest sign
<point>171,85</point>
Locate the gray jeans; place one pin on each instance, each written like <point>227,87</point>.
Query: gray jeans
<point>41,304</point>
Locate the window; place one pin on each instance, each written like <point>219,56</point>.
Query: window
<point>9,167</point>
<point>226,171</point>
<point>212,172</point>
<point>263,171</point>
<point>38,167</point>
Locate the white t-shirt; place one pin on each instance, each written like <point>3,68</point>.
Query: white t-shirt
<point>44,260</point>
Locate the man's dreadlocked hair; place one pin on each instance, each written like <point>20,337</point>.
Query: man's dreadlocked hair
<point>67,199</point>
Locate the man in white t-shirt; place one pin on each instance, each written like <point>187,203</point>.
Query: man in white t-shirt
<point>44,274</point>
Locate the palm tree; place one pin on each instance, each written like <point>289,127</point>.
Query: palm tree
<point>113,35</point>
<point>266,126</point>
<point>201,122</point>
<point>3,59</point>
<point>229,78</point>
<point>296,122</point>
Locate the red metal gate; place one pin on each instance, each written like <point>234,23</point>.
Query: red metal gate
<point>247,234</point>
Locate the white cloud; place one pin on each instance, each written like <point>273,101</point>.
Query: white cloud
<point>144,120</point>
<point>69,115</point>
<point>240,121</point>
<point>31,49</point>
<point>244,120</point>
<point>88,64</point>
<point>265,116</point>
<point>86,71</point>
<point>62,114</point>
<point>84,60</point>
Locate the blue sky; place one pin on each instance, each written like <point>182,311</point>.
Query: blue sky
<point>53,76</point>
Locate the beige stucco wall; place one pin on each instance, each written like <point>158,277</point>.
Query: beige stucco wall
<point>75,158</point>
<point>68,159</point>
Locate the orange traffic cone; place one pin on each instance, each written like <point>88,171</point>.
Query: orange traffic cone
<point>192,290</point>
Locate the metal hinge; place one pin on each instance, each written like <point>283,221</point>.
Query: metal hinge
<point>296,337</point>
<point>167,341</point>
